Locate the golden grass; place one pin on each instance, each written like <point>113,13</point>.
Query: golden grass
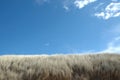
<point>60,67</point>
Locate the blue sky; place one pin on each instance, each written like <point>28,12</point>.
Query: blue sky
<point>59,26</point>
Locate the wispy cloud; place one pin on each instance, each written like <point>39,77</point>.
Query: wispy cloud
<point>66,7</point>
<point>113,46</point>
<point>111,10</point>
<point>82,3</point>
<point>105,9</point>
<point>113,35</point>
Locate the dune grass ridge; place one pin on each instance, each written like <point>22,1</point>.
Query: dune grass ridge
<point>60,67</point>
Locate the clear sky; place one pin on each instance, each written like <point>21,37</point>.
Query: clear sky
<point>59,26</point>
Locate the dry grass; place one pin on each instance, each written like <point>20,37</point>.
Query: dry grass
<point>61,67</point>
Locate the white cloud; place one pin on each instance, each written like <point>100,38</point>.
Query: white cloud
<point>66,7</point>
<point>106,12</point>
<point>82,3</point>
<point>112,10</point>
<point>113,46</point>
<point>113,35</point>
